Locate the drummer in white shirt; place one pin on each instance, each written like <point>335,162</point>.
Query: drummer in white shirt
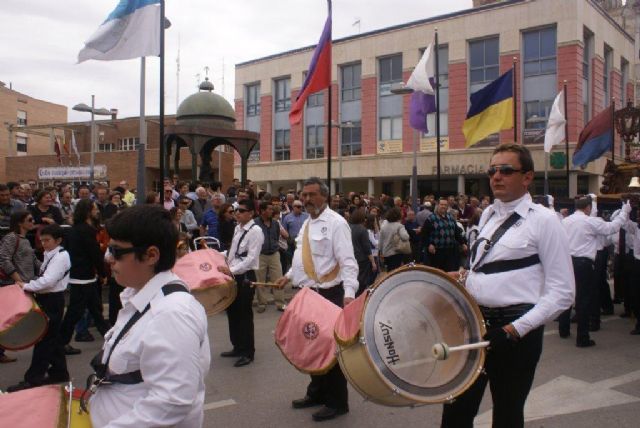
<point>155,369</point>
<point>48,363</point>
<point>521,281</point>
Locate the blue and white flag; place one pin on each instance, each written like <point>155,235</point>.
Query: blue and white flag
<point>132,30</point>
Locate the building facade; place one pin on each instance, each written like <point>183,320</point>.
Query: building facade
<point>550,42</point>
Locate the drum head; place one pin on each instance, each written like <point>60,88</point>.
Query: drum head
<point>408,312</point>
<point>26,332</point>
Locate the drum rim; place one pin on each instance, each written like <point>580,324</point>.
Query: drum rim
<point>473,306</point>
<point>36,309</point>
<point>233,286</point>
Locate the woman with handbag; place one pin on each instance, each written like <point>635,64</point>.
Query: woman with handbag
<point>394,240</point>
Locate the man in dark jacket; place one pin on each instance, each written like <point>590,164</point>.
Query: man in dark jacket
<point>87,273</point>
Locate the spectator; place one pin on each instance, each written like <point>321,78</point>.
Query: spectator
<point>389,253</point>
<point>227,225</point>
<point>367,268</point>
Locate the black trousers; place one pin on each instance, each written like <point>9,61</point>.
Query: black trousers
<point>82,296</point>
<point>618,274</point>
<point>446,259</point>
<point>48,354</point>
<point>393,262</point>
<point>114,300</point>
<point>331,388</point>
<point>633,283</point>
<point>628,280</point>
<point>240,315</point>
<point>365,276</point>
<point>509,372</point>
<point>584,272</point>
<point>602,293</point>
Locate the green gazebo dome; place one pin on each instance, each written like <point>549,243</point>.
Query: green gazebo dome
<point>206,108</point>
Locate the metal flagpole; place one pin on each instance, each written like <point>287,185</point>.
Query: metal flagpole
<point>142,141</point>
<point>566,133</point>
<point>329,127</point>
<point>515,102</point>
<point>437,82</point>
<point>613,128</point>
<point>162,146</point>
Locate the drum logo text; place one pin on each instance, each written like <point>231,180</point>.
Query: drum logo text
<point>310,330</point>
<point>206,267</point>
<point>392,356</point>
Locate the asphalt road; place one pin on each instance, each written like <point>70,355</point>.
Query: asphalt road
<point>574,387</point>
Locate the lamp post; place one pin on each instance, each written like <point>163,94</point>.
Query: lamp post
<point>94,111</point>
<point>627,122</point>
<point>401,89</point>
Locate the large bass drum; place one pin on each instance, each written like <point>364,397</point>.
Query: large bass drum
<point>385,338</point>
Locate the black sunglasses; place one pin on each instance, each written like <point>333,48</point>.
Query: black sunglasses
<point>242,210</point>
<point>117,253</point>
<point>504,170</point>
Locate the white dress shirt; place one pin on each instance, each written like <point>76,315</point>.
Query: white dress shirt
<point>189,220</point>
<point>251,244</point>
<point>54,273</point>
<point>584,232</point>
<point>330,242</point>
<point>170,346</point>
<point>549,285</point>
<point>630,231</point>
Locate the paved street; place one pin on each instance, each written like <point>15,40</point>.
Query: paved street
<point>593,387</point>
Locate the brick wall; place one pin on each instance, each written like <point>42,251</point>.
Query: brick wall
<point>266,128</point>
<point>570,69</point>
<point>630,95</point>
<point>369,115</point>
<point>297,133</point>
<point>239,114</point>
<point>597,86</point>
<point>458,103</point>
<point>614,81</point>
<point>506,64</point>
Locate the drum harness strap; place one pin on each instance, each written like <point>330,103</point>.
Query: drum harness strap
<point>309,266</point>
<point>101,374</point>
<point>499,265</point>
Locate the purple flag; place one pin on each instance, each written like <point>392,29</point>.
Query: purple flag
<point>421,105</point>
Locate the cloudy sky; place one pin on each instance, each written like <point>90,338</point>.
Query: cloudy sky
<point>41,40</point>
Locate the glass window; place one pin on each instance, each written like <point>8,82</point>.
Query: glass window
<point>21,146</point>
<point>128,144</point>
<point>105,147</point>
<point>391,128</point>
<point>351,82</point>
<point>350,140</point>
<point>608,63</point>
<point>390,72</point>
<point>22,118</point>
<point>253,100</point>
<point>624,69</point>
<point>281,148</point>
<point>586,75</point>
<point>483,60</point>
<point>283,94</point>
<point>539,52</point>
<point>443,79</point>
<point>315,146</point>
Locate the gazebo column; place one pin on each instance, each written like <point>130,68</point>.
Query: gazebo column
<point>176,161</point>
<point>194,165</point>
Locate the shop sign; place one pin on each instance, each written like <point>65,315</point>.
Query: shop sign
<point>429,144</point>
<point>459,169</point>
<point>388,147</point>
<point>71,172</point>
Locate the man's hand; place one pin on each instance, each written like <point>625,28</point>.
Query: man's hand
<point>224,269</point>
<point>499,338</point>
<point>348,300</point>
<point>281,282</point>
<point>431,249</point>
<point>626,207</point>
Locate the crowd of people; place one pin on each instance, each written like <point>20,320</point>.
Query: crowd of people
<point>55,240</point>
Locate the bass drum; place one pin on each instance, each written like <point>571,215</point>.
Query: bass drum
<point>385,339</point>
<point>22,322</point>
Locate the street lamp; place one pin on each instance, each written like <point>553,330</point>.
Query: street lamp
<point>401,89</point>
<point>627,122</point>
<point>94,111</point>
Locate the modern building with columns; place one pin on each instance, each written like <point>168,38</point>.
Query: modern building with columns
<point>551,42</point>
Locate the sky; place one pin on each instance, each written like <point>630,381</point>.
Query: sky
<point>41,40</point>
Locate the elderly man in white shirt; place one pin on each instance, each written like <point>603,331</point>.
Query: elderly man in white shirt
<point>584,233</point>
<point>244,260</point>
<point>156,356</point>
<point>521,276</point>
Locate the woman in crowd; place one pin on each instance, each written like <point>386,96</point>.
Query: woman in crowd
<point>114,206</point>
<point>367,267</point>
<point>226,225</point>
<point>389,252</point>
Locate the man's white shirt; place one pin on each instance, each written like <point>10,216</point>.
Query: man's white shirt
<point>54,273</point>
<point>251,244</point>
<point>584,232</point>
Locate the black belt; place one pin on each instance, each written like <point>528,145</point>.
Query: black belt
<point>511,311</point>
<point>582,259</point>
<point>508,265</point>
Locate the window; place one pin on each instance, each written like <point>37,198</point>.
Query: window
<point>539,52</point>
<point>351,140</point>
<point>608,64</point>
<point>283,94</point>
<point>281,147</point>
<point>391,128</point>
<point>316,99</point>
<point>586,75</point>
<point>443,79</point>
<point>253,100</point>
<point>105,147</point>
<point>350,82</point>
<point>390,72</point>
<point>624,79</point>
<point>536,113</point>
<point>21,146</point>
<point>22,118</point>
<point>128,144</point>
<point>315,146</point>
<point>254,156</point>
<point>483,61</point>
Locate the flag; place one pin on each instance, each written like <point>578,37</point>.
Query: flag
<point>319,75</point>
<point>555,126</point>
<point>491,109</point>
<point>420,106</point>
<point>422,75</point>
<point>74,146</point>
<point>56,148</point>
<point>132,30</point>
<point>65,145</point>
<point>595,139</point>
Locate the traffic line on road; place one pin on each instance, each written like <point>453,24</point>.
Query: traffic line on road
<point>218,404</point>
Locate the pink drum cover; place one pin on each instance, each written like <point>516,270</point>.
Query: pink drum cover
<point>39,407</point>
<point>304,332</point>
<point>14,305</point>
<point>199,269</point>
<point>348,323</point>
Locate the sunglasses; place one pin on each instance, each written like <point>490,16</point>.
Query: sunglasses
<point>504,170</point>
<point>241,210</point>
<point>117,253</point>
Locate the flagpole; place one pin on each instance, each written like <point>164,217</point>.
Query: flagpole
<point>566,133</point>
<point>515,103</point>
<point>162,144</point>
<point>329,127</point>
<point>142,141</point>
<point>546,173</point>
<point>437,82</point>
<point>613,133</point>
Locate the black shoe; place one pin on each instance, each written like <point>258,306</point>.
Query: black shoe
<point>585,343</point>
<point>635,331</point>
<point>70,350</point>
<point>328,413</point>
<point>229,354</point>
<point>85,337</point>
<point>243,361</point>
<point>564,335</point>
<point>303,403</point>
<point>20,386</point>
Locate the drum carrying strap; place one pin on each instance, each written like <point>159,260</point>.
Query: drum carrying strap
<point>307,261</point>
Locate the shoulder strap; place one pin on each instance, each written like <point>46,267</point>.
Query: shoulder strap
<point>499,232</point>
<point>242,238</point>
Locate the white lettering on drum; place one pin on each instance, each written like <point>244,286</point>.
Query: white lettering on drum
<point>392,356</point>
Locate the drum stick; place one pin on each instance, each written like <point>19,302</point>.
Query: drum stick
<point>441,350</point>
<point>264,284</point>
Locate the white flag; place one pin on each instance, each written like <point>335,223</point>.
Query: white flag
<point>555,126</point>
<point>132,30</point>
<point>74,147</point>
<point>425,70</point>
